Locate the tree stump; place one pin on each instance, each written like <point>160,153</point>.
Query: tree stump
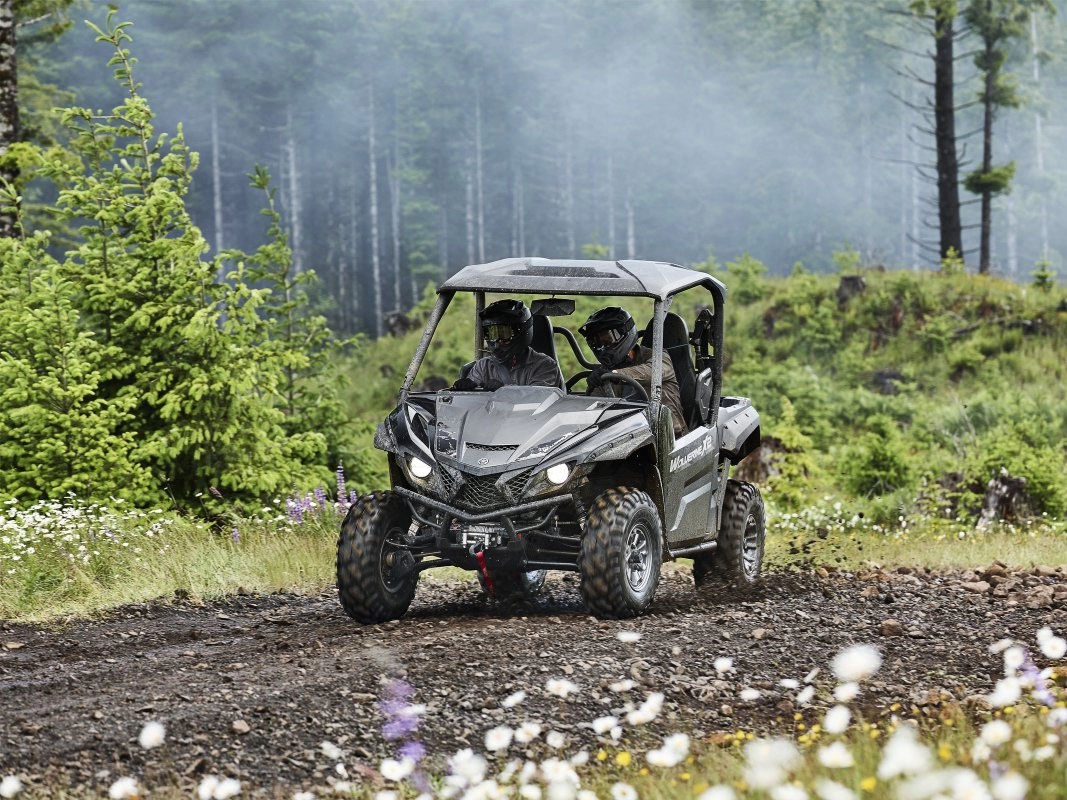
<point>1006,499</point>
<point>849,287</point>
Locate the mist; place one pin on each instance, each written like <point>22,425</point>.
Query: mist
<point>409,138</point>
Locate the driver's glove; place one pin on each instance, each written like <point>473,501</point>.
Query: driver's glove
<point>596,377</point>
<point>464,385</point>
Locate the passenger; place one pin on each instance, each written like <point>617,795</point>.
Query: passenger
<point>612,335</point>
<point>507,327</point>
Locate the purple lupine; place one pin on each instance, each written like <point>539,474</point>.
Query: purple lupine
<point>320,497</point>
<point>401,723</point>
<point>340,486</point>
<point>1032,675</point>
<point>235,535</point>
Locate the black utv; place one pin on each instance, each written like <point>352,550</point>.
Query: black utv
<point>520,480</point>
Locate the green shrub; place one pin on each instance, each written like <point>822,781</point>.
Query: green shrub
<point>879,462</point>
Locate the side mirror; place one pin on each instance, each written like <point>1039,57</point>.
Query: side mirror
<point>552,307</point>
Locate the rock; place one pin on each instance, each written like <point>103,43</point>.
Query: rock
<point>1046,571</point>
<point>978,587</point>
<point>869,591</point>
<point>760,633</point>
<point>995,570</point>
<point>891,627</point>
<point>884,381</point>
<point>240,727</point>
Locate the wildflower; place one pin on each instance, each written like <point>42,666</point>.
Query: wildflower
<point>749,695</point>
<point>628,637</point>
<point>602,725</point>
<point>1044,753</point>
<point>1000,645</point>
<point>1005,693</point>
<point>846,692</point>
<point>1013,659</point>
<point>394,770</point>
<point>1022,747</point>
<point>311,796</point>
<point>805,696</point>
<point>498,738</point>
<point>1057,717</point>
<point>561,687</point>
<point>557,772</point>
<point>811,675</point>
<point>648,711</point>
<point>788,791</point>
<point>530,791</point>
<point>856,663</point>
<point>837,719</point>
<point>554,739</point>
<point>527,732</point>
<point>868,783</point>
<point>835,756</point>
<point>513,699</point>
<point>623,758</point>
<point>579,759</point>
<point>152,735</point>
<point>1010,786</point>
<point>467,767</point>
<point>123,788</point>
<point>719,792</point>
<point>1053,646</point>
<point>623,791</point>
<point>674,750</point>
<point>586,794</point>
<point>226,788</point>
<point>615,733</point>
<point>903,755</point>
<point>996,733</point>
<point>10,786</point>
<point>789,683</point>
<point>827,789</point>
<point>331,751</point>
<point>622,686</point>
<point>769,761</point>
<point>723,665</point>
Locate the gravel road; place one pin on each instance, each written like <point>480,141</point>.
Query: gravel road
<point>251,686</point>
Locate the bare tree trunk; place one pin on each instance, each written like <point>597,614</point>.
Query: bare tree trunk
<point>948,168</point>
<point>1039,138</point>
<point>372,169</point>
<point>392,165</point>
<point>631,236</point>
<point>611,206</point>
<point>216,175</point>
<point>868,179</point>
<point>568,191</point>
<point>295,211</point>
<point>9,101</point>
<point>905,169</point>
<point>470,211</point>
<point>478,173</point>
<point>984,257</point>
<point>1012,217</point>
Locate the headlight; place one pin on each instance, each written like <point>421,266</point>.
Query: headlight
<point>544,447</point>
<point>558,474</point>
<point>419,468</point>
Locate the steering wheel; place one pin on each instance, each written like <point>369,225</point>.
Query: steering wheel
<point>634,390</point>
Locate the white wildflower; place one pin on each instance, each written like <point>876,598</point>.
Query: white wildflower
<point>835,756</point>
<point>996,732</point>
<point>1022,747</point>
<point>846,692</point>
<point>788,791</point>
<point>966,785</point>
<point>806,695</point>
<point>466,768</point>
<point>673,751</point>
<point>586,794</point>
<point>769,761</point>
<point>311,796</point>
<point>527,732</point>
<point>980,752</point>
<point>856,663</point>
<point>123,788</point>
<point>555,770</point>
<point>226,788</point>
<point>1000,645</point>
<point>1044,753</point>
<point>513,699</point>
<point>1056,717</point>
<point>1007,692</point>
<point>723,665</point>
<point>152,735</point>
<point>811,675</point>
<point>530,791</point>
<point>623,791</point>
<point>827,789</point>
<point>396,770</point>
<point>1013,659</point>
<point>628,637</point>
<point>648,711</point>
<point>1010,786</point>
<point>789,683</point>
<point>1054,647</point>
<point>560,687</point>
<point>555,740</point>
<point>331,751</point>
<point>720,792</point>
<point>498,738</point>
<point>206,789</point>
<point>622,686</point>
<point>903,755</point>
<point>10,786</point>
<point>560,791</point>
<point>579,759</point>
<point>602,725</point>
<point>837,719</point>
<point>748,695</point>
<point>615,733</point>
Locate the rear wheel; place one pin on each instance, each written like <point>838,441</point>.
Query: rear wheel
<point>372,535</point>
<point>515,584</point>
<point>739,555</point>
<point>622,550</point>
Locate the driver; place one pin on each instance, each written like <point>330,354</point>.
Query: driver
<point>507,327</point>
<point>612,335</point>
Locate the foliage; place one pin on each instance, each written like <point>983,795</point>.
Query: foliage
<point>748,282</point>
<point>878,463</point>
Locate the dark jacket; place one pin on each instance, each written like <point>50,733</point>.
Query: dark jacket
<point>536,369</point>
<point>641,371</point>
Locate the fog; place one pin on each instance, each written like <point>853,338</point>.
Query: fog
<point>661,130</point>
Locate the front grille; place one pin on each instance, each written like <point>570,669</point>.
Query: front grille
<point>480,492</point>
<point>492,448</point>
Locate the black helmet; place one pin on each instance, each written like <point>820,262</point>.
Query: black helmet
<point>507,327</point>
<point>611,333</point>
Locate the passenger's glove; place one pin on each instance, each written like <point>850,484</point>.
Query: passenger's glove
<point>464,385</point>
<point>596,377</point>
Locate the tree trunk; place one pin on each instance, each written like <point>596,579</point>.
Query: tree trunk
<point>478,173</point>
<point>216,175</point>
<point>987,157</point>
<point>611,207</point>
<point>948,168</point>
<point>9,102</point>
<point>295,212</point>
<point>1012,217</point>
<point>392,165</point>
<point>1039,139</point>
<point>372,169</point>
<point>631,236</point>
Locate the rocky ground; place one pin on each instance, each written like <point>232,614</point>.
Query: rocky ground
<point>250,687</point>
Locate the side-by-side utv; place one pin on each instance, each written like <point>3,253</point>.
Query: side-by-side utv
<point>520,480</point>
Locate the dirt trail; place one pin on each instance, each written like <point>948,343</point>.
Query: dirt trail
<point>296,671</point>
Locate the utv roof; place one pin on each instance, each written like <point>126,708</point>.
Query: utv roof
<point>534,275</point>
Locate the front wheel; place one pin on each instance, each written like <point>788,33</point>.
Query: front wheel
<point>372,535</point>
<point>622,550</point>
<point>738,558</point>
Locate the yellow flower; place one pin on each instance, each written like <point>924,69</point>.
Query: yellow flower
<point>602,755</point>
<point>798,716</point>
<point>944,752</point>
<point>623,758</point>
<point>895,707</point>
<point>875,733</point>
<point>685,776</point>
<point>1009,710</point>
<point>643,771</point>
<point>750,736</point>
<point>868,784</point>
<point>700,787</point>
<point>948,723</point>
<point>801,726</point>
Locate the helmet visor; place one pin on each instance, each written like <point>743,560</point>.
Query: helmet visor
<point>604,338</point>
<point>497,333</point>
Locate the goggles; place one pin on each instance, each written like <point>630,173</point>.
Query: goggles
<point>604,338</point>
<point>498,333</point>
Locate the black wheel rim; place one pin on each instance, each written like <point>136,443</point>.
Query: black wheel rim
<point>637,558</point>
<point>750,547</point>
<point>391,544</point>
